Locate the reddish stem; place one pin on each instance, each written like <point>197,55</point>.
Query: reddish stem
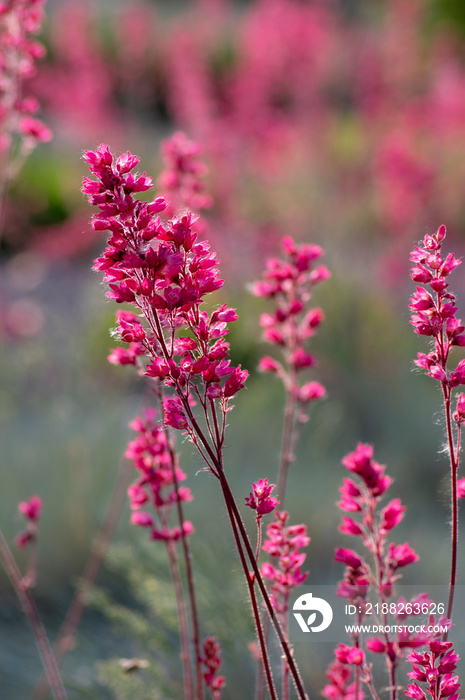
<point>30,610</point>
<point>189,576</point>
<point>253,598</point>
<point>454,505</point>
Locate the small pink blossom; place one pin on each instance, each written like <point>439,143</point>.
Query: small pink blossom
<point>211,659</point>
<point>289,282</point>
<point>349,655</point>
<point>283,544</point>
<point>31,509</point>
<point>401,555</point>
<point>461,488</point>
<point>260,499</point>
<point>142,519</point>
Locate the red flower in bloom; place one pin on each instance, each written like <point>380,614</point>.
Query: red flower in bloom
<point>161,268</point>
<point>283,543</point>
<point>434,313</point>
<point>289,282</point>
<point>31,511</point>
<point>211,659</point>
<point>158,484</point>
<point>434,668</point>
<point>260,500</point>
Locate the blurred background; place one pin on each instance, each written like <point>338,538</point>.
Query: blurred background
<point>339,122</point>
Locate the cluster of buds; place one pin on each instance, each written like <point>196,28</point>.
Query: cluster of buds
<point>283,544</point>
<point>31,511</point>
<point>435,668</point>
<point>19,21</point>
<point>162,270</point>
<point>212,662</point>
<point>289,283</point>
<point>260,499</point>
<point>434,314</point>
<point>157,485</point>
<point>183,177</point>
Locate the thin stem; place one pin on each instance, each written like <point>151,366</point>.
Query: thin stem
<point>454,504</point>
<point>65,639</point>
<point>250,579</point>
<point>30,610</point>
<point>281,636</point>
<point>189,576</point>
<point>182,619</point>
<point>392,678</point>
<point>287,442</point>
<point>229,498</point>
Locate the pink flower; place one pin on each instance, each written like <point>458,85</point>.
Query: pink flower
<point>376,644</point>
<point>260,499</point>
<point>289,281</point>
<point>31,509</point>
<point>35,129</point>
<point>312,391</point>
<point>350,527</point>
<point>349,655</point>
<point>283,544</point>
<point>211,659</point>
<point>142,519</point>
<point>401,555</point>
<point>348,557</point>
<point>461,488</point>
<point>392,514</point>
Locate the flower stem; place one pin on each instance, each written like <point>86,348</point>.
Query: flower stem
<point>454,505</point>
<point>250,578</point>
<point>30,610</point>
<point>189,576</point>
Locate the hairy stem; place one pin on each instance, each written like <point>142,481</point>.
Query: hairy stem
<point>454,505</point>
<point>30,610</point>
<point>250,578</point>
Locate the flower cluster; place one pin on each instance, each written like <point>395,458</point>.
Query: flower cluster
<point>260,499</point>
<point>157,484</point>
<point>435,668</point>
<point>31,511</point>
<point>162,270</point>
<point>19,20</point>
<point>363,495</point>
<point>182,179</point>
<point>284,544</point>
<point>289,283</point>
<point>212,662</point>
<point>434,313</point>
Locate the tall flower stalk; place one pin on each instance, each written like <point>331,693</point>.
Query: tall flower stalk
<point>162,270</point>
<point>377,574</point>
<point>289,282</point>
<point>434,314</point>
